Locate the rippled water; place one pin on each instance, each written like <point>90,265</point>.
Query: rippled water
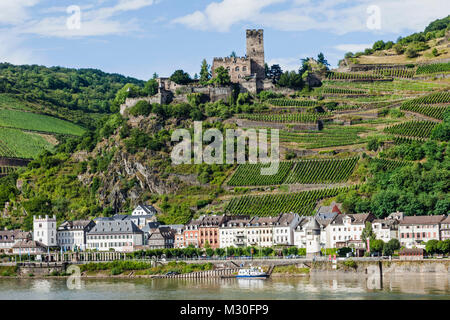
<point>318,286</point>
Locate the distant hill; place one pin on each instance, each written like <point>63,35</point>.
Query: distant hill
<point>38,105</point>
<point>431,45</point>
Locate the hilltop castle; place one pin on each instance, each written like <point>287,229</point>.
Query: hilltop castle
<point>248,71</point>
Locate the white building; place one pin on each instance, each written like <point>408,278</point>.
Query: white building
<point>283,230</point>
<point>233,233</point>
<point>44,230</point>
<point>345,230</point>
<point>142,215</point>
<point>260,231</point>
<point>71,235</point>
<point>116,235</point>
<point>387,229</point>
<point>8,238</point>
<point>445,228</point>
<point>414,230</point>
<point>312,238</point>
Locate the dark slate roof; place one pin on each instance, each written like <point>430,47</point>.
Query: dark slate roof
<point>213,220</point>
<point>8,235</point>
<point>235,222</point>
<point>151,210</point>
<point>151,226</point>
<point>285,219</point>
<point>115,227</point>
<point>357,218</point>
<point>76,224</point>
<point>333,208</point>
<point>28,244</point>
<point>162,232</point>
<point>408,220</point>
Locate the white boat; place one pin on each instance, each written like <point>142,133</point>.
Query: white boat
<point>251,272</point>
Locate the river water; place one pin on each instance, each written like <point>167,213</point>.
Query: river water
<point>317,286</point>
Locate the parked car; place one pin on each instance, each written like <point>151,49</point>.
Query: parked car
<point>171,273</point>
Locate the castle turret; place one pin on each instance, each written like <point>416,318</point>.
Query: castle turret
<point>312,238</point>
<point>255,51</point>
<point>44,230</point>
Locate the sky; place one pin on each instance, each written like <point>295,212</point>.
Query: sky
<point>139,37</point>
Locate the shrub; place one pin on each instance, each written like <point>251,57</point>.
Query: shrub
<point>350,264</point>
<point>411,52</point>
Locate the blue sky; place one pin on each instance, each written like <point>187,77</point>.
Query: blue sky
<point>139,37</point>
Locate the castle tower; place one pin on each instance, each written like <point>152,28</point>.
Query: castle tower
<point>255,51</point>
<point>312,238</point>
<point>44,230</point>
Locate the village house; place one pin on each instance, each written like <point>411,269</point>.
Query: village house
<point>345,230</point>
<point>283,230</point>
<point>414,230</point>
<point>162,238</point>
<point>445,228</point>
<point>29,246</point>
<point>44,230</point>
<point>71,235</point>
<point>143,214</point>
<point>179,238</point>
<point>116,235</point>
<point>209,230</point>
<point>260,231</point>
<point>191,234</point>
<point>232,233</point>
<point>8,238</point>
<point>387,229</point>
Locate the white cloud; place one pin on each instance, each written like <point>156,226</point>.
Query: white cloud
<point>337,16</point>
<point>13,12</point>
<point>352,47</point>
<point>222,15</point>
<point>286,64</point>
<point>94,21</point>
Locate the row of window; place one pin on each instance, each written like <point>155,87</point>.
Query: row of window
<point>109,244</point>
<point>120,236</point>
<point>418,235</point>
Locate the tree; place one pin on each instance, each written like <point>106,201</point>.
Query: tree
<point>398,48</point>
<point>377,245</point>
<point>222,77</point>
<point>379,45</point>
<point>180,77</point>
<point>390,247</point>
<point>205,73</point>
<point>411,52</point>
<point>373,144</point>
<point>434,52</point>
<point>275,73</point>
<point>367,232</point>
<point>431,246</point>
<point>321,59</point>
<point>233,55</point>
<point>444,246</point>
<point>151,87</point>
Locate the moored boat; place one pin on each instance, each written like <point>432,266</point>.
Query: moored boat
<point>252,272</point>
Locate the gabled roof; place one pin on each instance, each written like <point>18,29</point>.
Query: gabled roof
<point>411,220</point>
<point>115,227</point>
<point>28,244</point>
<point>76,224</point>
<point>149,209</point>
<point>332,208</point>
<point>357,218</point>
<point>151,226</point>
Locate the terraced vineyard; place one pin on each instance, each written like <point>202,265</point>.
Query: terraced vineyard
<point>420,129</point>
<point>322,171</point>
<point>305,172</point>
<point>353,76</point>
<point>328,137</point>
<point>395,72</point>
<point>388,165</point>
<point>21,144</point>
<point>302,203</point>
<point>292,103</point>
<point>401,140</point>
<point>301,117</point>
<point>433,68</point>
<point>342,91</point>
<point>37,122</point>
<point>433,105</point>
<point>250,175</point>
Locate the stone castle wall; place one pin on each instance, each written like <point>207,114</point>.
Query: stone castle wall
<point>238,68</point>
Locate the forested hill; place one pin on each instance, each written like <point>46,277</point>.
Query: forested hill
<point>420,47</point>
<point>76,95</point>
